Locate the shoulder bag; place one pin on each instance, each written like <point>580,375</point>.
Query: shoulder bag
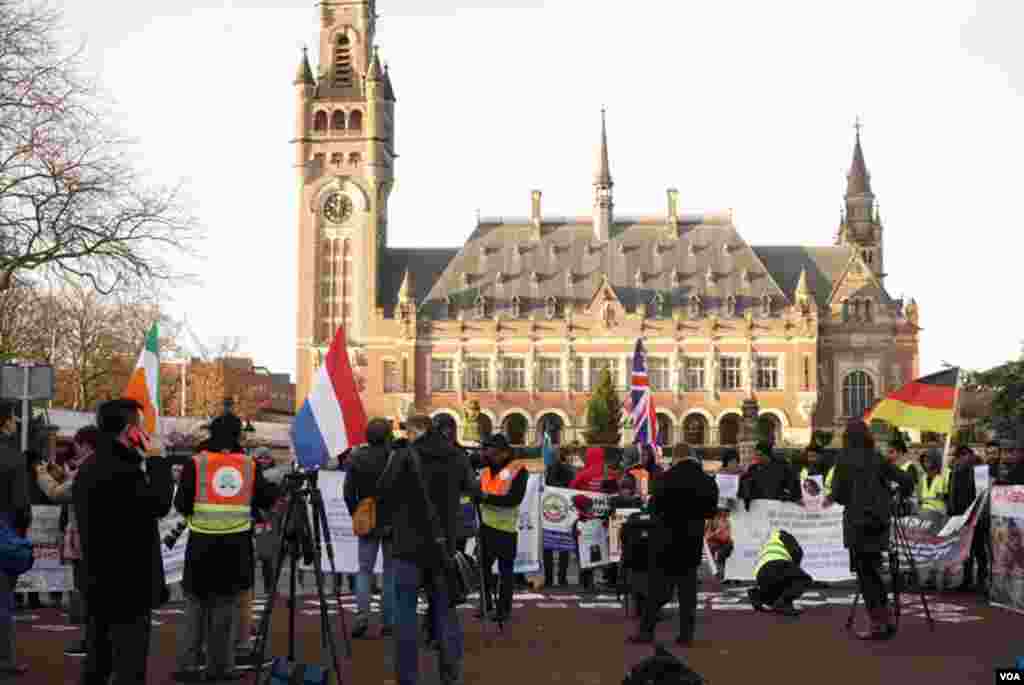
<point>364,520</point>
<point>461,573</point>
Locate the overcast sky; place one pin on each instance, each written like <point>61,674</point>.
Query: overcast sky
<point>743,105</point>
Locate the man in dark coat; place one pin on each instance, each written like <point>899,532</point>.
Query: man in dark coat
<point>366,467</point>
<point>16,514</point>
<point>771,477</point>
<point>219,568</point>
<point>423,540</point>
<point>682,501</point>
<point>120,496</point>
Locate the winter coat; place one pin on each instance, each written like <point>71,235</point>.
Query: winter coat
<point>14,502</point>
<point>118,504</point>
<point>594,472</point>
<point>682,501</point>
<point>559,475</point>
<point>219,565</point>
<point>365,468</point>
<point>446,477</point>
<point>961,486</point>
<point>861,484</point>
<point>775,479</point>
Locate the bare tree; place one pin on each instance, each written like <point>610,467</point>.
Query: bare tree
<point>71,201</point>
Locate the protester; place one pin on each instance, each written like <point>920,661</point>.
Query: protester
<point>220,487</point>
<point>368,463</point>
<point>900,457</point>
<point>935,485</point>
<point>862,487</point>
<point>779,579</point>
<point>15,514</point>
<point>646,470</point>
<point>264,532</point>
<point>119,497</point>
<point>1011,471</point>
<point>773,478</point>
<point>595,476</point>
<point>718,534</point>
<point>558,474</point>
<point>681,502</point>
<point>420,491</point>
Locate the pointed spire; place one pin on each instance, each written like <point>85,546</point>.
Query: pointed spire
<point>801,287</point>
<point>405,290</point>
<point>387,91</point>
<point>603,176</point>
<point>858,181</point>
<point>374,72</point>
<point>304,74</point>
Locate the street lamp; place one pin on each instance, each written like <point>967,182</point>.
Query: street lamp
<point>26,382</point>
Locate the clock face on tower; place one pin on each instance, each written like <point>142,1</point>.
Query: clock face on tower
<point>338,208</point>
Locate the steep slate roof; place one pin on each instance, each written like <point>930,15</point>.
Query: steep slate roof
<point>824,265</point>
<point>425,265</point>
<point>637,245</point>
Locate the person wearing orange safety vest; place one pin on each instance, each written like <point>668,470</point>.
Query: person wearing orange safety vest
<point>645,471</point>
<point>503,487</point>
<point>219,489</point>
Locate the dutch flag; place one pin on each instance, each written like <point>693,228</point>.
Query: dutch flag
<point>333,418</point>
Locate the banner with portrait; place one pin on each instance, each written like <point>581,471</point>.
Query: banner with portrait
<point>559,516</point>
<point>1007,511</point>
<point>48,574</point>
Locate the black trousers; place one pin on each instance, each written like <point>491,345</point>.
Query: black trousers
<point>506,580</point>
<point>781,581</point>
<point>662,587</point>
<point>979,554</point>
<point>868,567</point>
<point>118,650</point>
<point>549,567</point>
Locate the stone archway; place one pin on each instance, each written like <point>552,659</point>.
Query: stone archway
<point>769,428</point>
<point>515,428</point>
<point>551,423</point>
<point>486,426</point>
<point>666,432</point>
<point>695,430</point>
<point>729,429</point>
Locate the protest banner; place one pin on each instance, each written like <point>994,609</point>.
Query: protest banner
<point>48,574</point>
<point>593,547</point>
<point>174,558</point>
<point>1007,513</point>
<point>940,545</point>
<point>531,539</point>
<point>615,523</point>
<point>820,534</point>
<point>559,516</point>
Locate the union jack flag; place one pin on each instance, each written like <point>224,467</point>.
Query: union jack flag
<point>645,423</point>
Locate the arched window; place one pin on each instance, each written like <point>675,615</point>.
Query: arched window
<point>766,305</point>
<point>730,306</point>
<point>517,307</point>
<point>551,424</point>
<point>729,429</point>
<point>515,427</point>
<point>665,436</point>
<point>696,308</point>
<point>858,394</point>
<point>343,63</point>
<point>338,120</point>
<point>846,310</point>
<point>695,430</point>
<point>481,307</point>
<point>355,120</point>
<point>769,428</point>
<point>868,314</point>
<point>320,121</point>
<point>552,308</point>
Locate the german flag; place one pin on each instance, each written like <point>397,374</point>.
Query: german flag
<point>927,403</point>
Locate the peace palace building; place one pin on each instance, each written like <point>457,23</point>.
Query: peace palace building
<point>526,315</point>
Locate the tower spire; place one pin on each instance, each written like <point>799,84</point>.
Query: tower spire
<point>858,181</point>
<point>603,176</point>
<point>603,205</point>
<point>304,75</point>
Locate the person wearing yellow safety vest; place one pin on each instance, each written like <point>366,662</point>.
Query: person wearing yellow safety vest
<point>934,487</point>
<point>503,487</point>
<point>220,486</point>
<point>900,457</point>
<point>779,579</point>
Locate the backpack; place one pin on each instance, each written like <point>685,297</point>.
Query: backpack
<point>663,669</point>
<point>364,520</point>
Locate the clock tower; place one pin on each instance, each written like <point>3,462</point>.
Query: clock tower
<point>344,154</point>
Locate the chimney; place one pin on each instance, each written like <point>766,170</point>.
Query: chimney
<point>672,217</point>
<point>535,214</point>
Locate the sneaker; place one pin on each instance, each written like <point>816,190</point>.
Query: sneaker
<point>76,649</point>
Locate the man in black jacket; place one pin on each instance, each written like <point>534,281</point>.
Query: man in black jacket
<point>119,498</point>
<point>17,515</point>
<point>420,491</point>
<point>681,502</point>
<point>366,467</point>
<point>771,477</point>
<point>558,474</point>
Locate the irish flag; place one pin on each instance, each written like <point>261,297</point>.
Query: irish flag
<point>144,384</point>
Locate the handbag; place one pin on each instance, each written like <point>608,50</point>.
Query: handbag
<point>461,572</point>
<point>364,520</point>
<point>16,556</point>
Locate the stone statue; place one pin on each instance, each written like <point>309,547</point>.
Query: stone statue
<point>471,421</point>
<point>910,311</point>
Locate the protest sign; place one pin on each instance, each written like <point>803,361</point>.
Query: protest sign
<point>593,547</point>
<point>48,574</point>
<point>1007,512</point>
<point>615,523</point>
<point>559,516</point>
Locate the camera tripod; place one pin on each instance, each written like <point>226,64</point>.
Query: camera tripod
<point>899,542</point>
<point>300,537</point>
<point>486,596</point>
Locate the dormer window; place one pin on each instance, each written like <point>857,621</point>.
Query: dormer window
<point>569,280</point>
<point>691,250</point>
<point>552,308</point>
<point>639,278</point>
<point>696,307</point>
<point>867,256</point>
<point>868,313</point>
<point>730,306</point>
<point>725,249</point>
<point>481,307</point>
<point>745,277</point>
<point>710,276</point>
<point>499,279</point>
<point>658,306</point>
<point>675,278</point>
<point>447,309</point>
<point>766,305</point>
<point>517,308</point>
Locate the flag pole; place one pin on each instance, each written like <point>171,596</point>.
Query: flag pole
<point>946,457</point>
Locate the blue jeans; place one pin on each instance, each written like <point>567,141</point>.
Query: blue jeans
<point>447,629</point>
<point>368,547</point>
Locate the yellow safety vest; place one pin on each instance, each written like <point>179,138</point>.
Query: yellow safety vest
<point>224,490</point>
<point>773,550</point>
<point>919,480</point>
<point>505,519</point>
<point>932,494</point>
<point>828,481</point>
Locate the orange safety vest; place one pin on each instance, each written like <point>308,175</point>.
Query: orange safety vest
<point>643,480</point>
<point>500,518</point>
<point>224,490</point>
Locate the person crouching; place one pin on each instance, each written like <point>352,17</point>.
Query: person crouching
<point>780,580</point>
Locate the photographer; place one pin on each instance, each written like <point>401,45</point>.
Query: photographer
<point>863,487</point>
<point>15,514</point>
<point>219,488</point>
<point>119,497</point>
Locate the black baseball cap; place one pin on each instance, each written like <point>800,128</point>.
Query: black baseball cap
<point>497,441</point>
